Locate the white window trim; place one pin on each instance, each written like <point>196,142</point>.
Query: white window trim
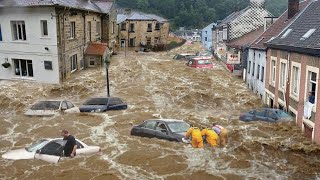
<point>42,29</point>
<point>271,82</point>
<point>315,70</point>
<point>72,71</point>
<point>75,31</point>
<point>12,33</point>
<point>292,95</point>
<point>282,88</point>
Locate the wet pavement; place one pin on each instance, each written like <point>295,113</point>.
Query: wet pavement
<point>153,83</point>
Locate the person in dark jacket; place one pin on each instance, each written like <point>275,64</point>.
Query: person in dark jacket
<point>71,144</point>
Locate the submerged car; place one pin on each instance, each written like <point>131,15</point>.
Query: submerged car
<point>200,63</point>
<point>51,108</point>
<point>168,129</point>
<point>266,114</point>
<point>103,104</point>
<point>207,55</point>
<point>49,150</point>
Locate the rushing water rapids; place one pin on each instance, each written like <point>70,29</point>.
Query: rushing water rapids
<point>152,83</point>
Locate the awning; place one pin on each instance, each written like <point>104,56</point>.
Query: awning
<point>97,49</point>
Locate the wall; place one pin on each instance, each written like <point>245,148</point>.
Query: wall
<point>110,22</point>
<point>34,46</point>
<point>207,44</point>
<point>256,85</point>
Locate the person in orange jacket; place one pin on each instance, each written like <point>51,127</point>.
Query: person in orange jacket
<point>196,138</point>
<point>222,133</point>
<point>210,135</point>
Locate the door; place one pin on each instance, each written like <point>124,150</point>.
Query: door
<point>162,132</point>
<point>71,108</point>
<point>148,129</point>
<point>115,104</point>
<point>51,152</point>
<point>260,114</point>
<point>123,43</point>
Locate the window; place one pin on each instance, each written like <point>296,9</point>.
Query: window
<point>18,30</point>
<point>157,26</point>
<point>131,27</point>
<point>98,28</point>
<point>156,40</point>
<point>205,39</point>
<point>48,65</point>
<point>123,26</point>
<point>225,34</point>
<point>312,84</point>
<point>89,30</point>
<point>148,41</point>
<point>206,32</point>
<point>262,74</point>
<point>161,127</point>
<point>273,72</point>
<point>113,27</point>
<point>249,67</point>
<point>44,28</point>
<point>253,69</point>
<point>286,33</point>
<point>91,63</point>
<point>308,34</point>
<point>70,105</point>
<point>131,42</point>
<point>52,148</point>
<point>149,27</point>
<point>0,33</point>
<point>258,72</point>
<point>295,80</point>
<point>73,63</point>
<point>283,68</point>
<point>73,30</point>
<point>23,67</point>
<point>150,124</point>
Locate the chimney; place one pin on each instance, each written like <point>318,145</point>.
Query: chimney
<point>293,8</point>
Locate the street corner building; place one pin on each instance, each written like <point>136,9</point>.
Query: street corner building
<point>234,34</point>
<point>292,68</point>
<point>45,41</point>
<point>137,29</point>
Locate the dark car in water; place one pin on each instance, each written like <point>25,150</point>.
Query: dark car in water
<point>266,114</point>
<point>168,129</point>
<point>103,104</point>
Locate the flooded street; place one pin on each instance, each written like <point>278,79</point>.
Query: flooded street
<point>153,83</point>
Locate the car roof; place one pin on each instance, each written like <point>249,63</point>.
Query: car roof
<point>166,120</point>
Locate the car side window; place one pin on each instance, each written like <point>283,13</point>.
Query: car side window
<point>161,127</point>
<point>272,115</point>
<point>115,101</point>
<point>150,124</point>
<point>64,104</point>
<point>52,148</point>
<point>252,112</point>
<point>260,112</point>
<point>70,105</point>
<point>79,145</point>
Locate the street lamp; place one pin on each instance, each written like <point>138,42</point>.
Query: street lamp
<point>107,61</point>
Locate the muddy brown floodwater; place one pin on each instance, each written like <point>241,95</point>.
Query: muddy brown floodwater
<point>152,83</point>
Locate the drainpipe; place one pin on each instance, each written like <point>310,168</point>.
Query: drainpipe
<point>287,89</point>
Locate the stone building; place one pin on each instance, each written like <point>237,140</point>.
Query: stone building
<point>137,28</point>
<point>46,41</point>
<point>292,69</point>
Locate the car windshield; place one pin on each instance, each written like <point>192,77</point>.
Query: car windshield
<point>201,62</point>
<point>35,146</point>
<point>281,114</point>
<point>46,105</point>
<point>97,101</point>
<point>177,127</point>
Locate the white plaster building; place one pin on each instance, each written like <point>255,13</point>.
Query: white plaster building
<point>29,44</point>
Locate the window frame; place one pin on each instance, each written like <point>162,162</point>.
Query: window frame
<point>73,30</point>
<point>253,68</point>
<point>249,67</point>
<point>73,58</point>
<point>27,68</point>
<point>295,95</point>
<point>149,27</point>
<point>312,69</point>
<point>123,26</point>
<point>15,34</point>
<point>1,39</point>
<point>157,26</point>
<point>262,74</point>
<point>131,28</point>
<point>283,74</point>
<point>273,71</point>
<point>42,22</point>
<point>258,72</point>
<point>98,28</point>
<point>46,67</point>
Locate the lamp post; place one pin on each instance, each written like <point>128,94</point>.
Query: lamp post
<point>107,61</point>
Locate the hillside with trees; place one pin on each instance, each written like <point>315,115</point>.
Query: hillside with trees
<point>197,13</point>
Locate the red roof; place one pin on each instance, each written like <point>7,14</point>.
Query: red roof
<point>276,28</point>
<point>245,39</point>
<point>96,49</point>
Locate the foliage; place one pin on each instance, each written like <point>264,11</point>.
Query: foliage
<point>197,13</point>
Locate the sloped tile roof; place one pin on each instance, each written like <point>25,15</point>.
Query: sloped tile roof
<point>276,28</point>
<point>245,39</point>
<point>100,6</point>
<point>97,49</point>
<point>232,16</point>
<point>308,19</point>
<point>139,16</point>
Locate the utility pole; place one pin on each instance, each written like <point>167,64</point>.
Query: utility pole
<point>107,61</point>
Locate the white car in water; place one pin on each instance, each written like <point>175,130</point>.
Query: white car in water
<point>51,108</point>
<point>49,150</point>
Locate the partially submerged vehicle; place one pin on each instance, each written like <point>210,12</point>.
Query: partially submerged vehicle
<point>51,108</point>
<point>204,55</point>
<point>49,150</point>
<point>168,129</point>
<point>184,56</point>
<point>200,63</point>
<point>103,104</point>
<point>266,114</point>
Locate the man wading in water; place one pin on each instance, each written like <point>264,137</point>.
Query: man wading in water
<point>71,144</point>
